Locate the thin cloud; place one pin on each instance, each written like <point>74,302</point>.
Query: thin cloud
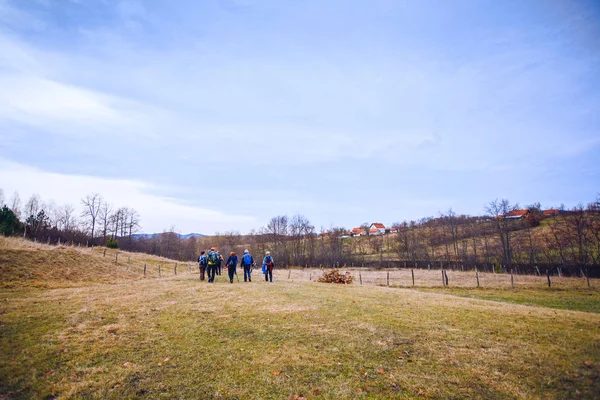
<point>157,212</point>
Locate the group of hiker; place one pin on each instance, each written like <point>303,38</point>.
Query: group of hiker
<point>211,261</point>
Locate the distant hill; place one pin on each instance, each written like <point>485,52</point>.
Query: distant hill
<point>189,235</point>
<point>151,235</point>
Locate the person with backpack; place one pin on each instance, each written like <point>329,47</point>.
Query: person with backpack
<point>203,263</point>
<point>212,260</point>
<point>231,265</point>
<point>247,263</point>
<point>268,264</point>
<point>219,263</point>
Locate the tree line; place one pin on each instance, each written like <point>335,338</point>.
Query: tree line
<point>93,223</point>
<point>564,237</point>
<point>569,237</point>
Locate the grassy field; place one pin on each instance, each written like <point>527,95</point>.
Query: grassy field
<point>177,337</point>
<point>561,298</point>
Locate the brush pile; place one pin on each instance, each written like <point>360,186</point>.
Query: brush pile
<point>334,276</point>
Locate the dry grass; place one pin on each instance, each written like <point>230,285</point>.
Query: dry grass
<point>177,337</point>
<point>433,278</point>
<point>34,264</point>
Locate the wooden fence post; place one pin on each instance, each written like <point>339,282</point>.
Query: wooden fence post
<point>128,260</point>
<point>310,277</point>
<point>360,277</point>
<point>104,252</point>
<point>443,280</point>
<point>512,279</point>
<point>446,274</point>
<point>116,258</point>
<point>548,276</point>
<point>175,269</point>
<point>144,269</point>
<point>388,278</point>
<point>559,274</point>
<point>159,270</point>
<point>477,276</point>
<point>587,276</point>
<point>289,273</point>
<point>537,270</point>
<point>412,272</point>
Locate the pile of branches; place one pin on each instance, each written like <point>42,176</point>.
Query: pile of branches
<point>334,276</point>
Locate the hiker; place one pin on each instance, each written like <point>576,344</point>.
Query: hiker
<point>231,265</point>
<point>247,262</point>
<point>268,264</point>
<point>202,263</point>
<point>219,263</point>
<point>212,258</point>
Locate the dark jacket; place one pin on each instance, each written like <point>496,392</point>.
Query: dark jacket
<point>232,261</point>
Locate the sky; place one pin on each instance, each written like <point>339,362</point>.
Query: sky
<point>210,116</point>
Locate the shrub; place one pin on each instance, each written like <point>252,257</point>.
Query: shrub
<point>9,223</point>
<point>112,243</point>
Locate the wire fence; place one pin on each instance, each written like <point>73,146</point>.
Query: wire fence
<point>441,278</point>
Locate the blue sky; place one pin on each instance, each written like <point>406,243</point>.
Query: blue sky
<point>217,115</point>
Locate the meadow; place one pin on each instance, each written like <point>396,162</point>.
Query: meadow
<point>130,336</point>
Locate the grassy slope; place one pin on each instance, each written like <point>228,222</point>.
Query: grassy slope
<point>177,337</point>
<point>23,263</point>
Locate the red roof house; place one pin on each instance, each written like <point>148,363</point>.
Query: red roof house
<point>357,232</point>
<point>551,213</point>
<point>377,228</point>
<point>517,214</point>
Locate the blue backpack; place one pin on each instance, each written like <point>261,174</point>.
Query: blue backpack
<point>268,260</point>
<point>247,259</point>
<point>202,260</point>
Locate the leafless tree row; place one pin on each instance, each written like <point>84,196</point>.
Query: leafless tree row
<point>93,223</point>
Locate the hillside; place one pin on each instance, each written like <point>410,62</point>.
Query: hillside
<point>572,239</point>
<point>24,263</point>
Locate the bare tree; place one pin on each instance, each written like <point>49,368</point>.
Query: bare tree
<point>32,208</point>
<point>498,209</point>
<point>66,217</point>
<point>277,229</point>
<point>105,218</point>
<point>92,203</point>
<point>36,218</point>
<point>133,222</point>
<point>300,230</point>
<point>15,204</point>
<point>52,211</point>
